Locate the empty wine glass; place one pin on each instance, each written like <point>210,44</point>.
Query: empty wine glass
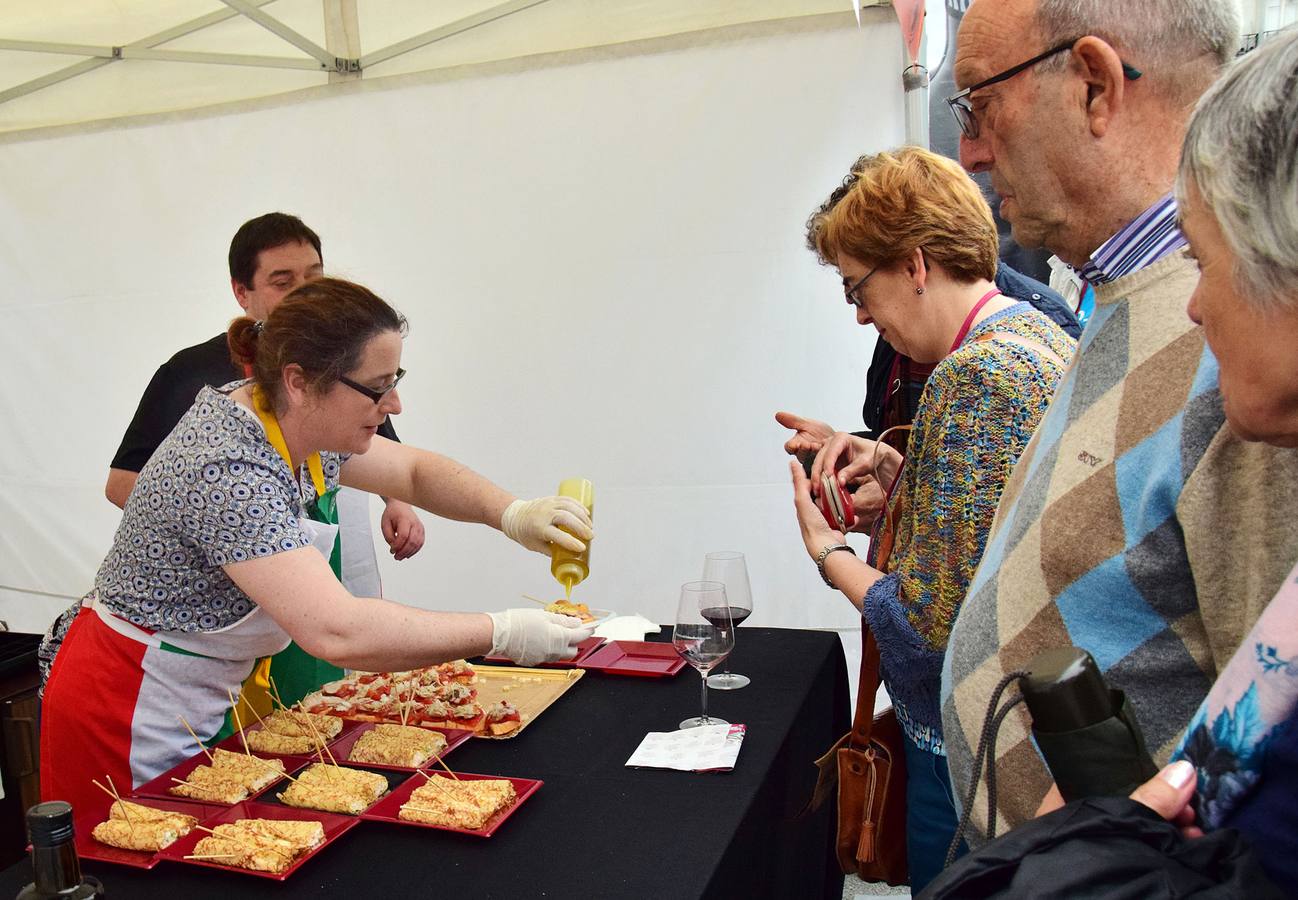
<point>728,567</point>
<point>704,635</point>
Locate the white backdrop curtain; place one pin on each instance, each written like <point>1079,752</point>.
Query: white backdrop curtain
<point>601,258</point>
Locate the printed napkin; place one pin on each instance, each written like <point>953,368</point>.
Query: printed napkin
<point>708,748</point>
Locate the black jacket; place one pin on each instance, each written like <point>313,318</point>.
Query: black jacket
<point>1108,847</point>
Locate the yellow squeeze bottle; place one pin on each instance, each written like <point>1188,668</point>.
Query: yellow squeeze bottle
<point>570,569</point>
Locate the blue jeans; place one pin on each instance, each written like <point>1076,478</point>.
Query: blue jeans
<point>930,815</point>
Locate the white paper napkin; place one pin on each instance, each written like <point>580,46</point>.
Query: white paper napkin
<point>708,748</point>
<point>626,628</point>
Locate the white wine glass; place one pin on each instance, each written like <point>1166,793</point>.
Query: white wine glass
<point>729,568</point>
<point>703,641</point>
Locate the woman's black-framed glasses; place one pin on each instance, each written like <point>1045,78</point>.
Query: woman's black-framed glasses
<point>375,395</point>
<point>853,294</point>
<point>959,102</point>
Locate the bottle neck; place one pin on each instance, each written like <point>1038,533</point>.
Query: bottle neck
<point>56,868</point>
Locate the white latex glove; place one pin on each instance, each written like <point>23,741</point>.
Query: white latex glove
<point>531,636</point>
<point>536,523</point>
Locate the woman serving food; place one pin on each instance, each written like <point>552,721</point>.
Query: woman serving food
<point>216,563</point>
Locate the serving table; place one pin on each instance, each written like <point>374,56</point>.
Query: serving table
<point>597,828</point>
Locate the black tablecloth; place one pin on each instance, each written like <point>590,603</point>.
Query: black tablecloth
<point>597,828</point>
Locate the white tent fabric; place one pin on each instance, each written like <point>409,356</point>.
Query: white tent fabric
<point>601,256</point>
<point>156,56</point>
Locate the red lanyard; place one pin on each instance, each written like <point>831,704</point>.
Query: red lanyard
<point>968,320</point>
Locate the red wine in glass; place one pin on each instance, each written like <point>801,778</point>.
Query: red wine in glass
<point>721,617</point>
<point>729,568</point>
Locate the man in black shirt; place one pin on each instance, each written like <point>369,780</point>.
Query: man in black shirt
<point>269,257</point>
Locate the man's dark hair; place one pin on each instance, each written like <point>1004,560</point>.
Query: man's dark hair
<point>265,233</point>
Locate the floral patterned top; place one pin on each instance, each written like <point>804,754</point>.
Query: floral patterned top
<point>214,492</point>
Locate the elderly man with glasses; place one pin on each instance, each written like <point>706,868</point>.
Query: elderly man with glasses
<point>1135,525</point>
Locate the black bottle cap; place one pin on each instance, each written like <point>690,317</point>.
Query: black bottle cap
<point>1065,691</point>
<point>50,824</point>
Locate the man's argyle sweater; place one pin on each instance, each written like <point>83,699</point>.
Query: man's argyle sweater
<point>1134,526</point>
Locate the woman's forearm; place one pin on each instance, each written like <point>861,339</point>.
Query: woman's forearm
<point>378,635</point>
<point>452,490</point>
<point>298,590</point>
<point>428,480</point>
<point>852,576</point>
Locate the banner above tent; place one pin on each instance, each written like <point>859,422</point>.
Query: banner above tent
<point>93,60</point>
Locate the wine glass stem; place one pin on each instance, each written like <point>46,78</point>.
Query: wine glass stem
<point>705,697</point>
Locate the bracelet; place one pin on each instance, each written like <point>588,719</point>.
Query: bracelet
<point>820,560</point>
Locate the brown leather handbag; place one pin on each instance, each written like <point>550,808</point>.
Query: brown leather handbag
<point>868,767</point>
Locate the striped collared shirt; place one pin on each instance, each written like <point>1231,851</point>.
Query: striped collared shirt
<point>1151,236</point>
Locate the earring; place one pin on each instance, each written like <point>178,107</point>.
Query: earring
<point>919,290</point>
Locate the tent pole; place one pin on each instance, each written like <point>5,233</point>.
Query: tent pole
<point>49,47</point>
<point>282,31</point>
<point>223,59</point>
<point>343,37</point>
<point>914,80</point>
<point>153,40</point>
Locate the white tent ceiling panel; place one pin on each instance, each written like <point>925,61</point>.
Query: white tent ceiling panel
<point>557,25</point>
<point>16,68</point>
<point>159,71</point>
<point>97,21</point>
<point>242,35</point>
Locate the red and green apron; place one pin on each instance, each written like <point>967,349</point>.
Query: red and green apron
<point>295,671</point>
<point>116,691</point>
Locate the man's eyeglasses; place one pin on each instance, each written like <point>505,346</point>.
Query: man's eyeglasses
<point>959,102</point>
<point>375,395</point>
<point>853,293</point>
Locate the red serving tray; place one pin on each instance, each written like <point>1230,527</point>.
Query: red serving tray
<point>234,743</point>
<point>89,848</point>
<point>584,650</point>
<point>386,809</point>
<point>343,746</point>
<point>646,659</point>
<point>334,827</point>
<point>158,786</point>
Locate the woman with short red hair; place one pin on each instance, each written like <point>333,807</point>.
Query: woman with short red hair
<point>914,241</point>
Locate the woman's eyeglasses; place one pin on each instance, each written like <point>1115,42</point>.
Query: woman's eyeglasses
<point>375,395</point>
<point>853,293</point>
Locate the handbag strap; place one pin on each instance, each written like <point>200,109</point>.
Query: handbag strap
<point>866,689</point>
<point>867,685</point>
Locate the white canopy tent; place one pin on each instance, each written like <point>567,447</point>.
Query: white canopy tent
<point>590,212</point>
<point>74,61</point>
